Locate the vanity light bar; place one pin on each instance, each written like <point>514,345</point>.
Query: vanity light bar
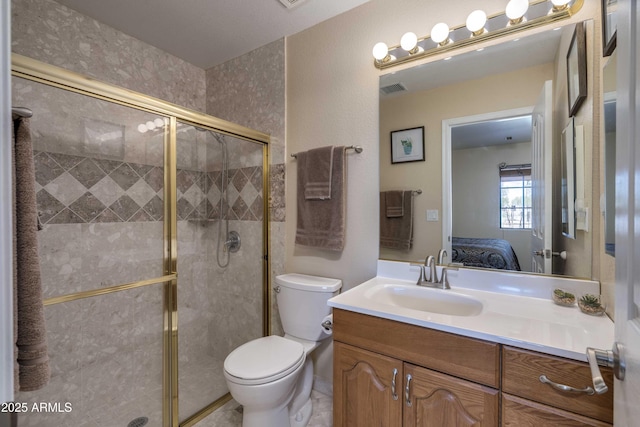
<point>536,14</point>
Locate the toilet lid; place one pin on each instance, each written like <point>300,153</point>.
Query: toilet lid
<point>264,359</point>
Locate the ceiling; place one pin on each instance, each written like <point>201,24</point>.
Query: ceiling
<point>210,32</point>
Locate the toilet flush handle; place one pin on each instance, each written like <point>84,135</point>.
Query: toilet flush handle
<point>276,289</point>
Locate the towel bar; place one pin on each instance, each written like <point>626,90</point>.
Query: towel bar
<point>357,148</point>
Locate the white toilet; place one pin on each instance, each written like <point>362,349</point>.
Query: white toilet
<point>272,376</point>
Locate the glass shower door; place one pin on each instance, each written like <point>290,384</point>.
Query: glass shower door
<point>220,209</point>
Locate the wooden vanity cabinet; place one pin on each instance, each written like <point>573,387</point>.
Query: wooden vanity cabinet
<point>525,395</point>
<point>369,352</point>
<point>454,380</point>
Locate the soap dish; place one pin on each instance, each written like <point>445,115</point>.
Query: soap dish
<point>563,298</point>
<point>591,304</point>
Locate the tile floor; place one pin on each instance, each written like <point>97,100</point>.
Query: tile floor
<point>230,416</point>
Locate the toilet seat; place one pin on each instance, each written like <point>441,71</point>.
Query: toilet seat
<point>264,360</point>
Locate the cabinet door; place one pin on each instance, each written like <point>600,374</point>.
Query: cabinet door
<point>519,412</point>
<point>444,401</point>
<point>363,392</point>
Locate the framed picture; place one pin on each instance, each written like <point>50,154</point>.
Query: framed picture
<point>577,70</point>
<point>609,26</point>
<point>407,145</point>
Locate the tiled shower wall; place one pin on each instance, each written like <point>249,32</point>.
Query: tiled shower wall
<point>105,349</point>
<point>73,189</point>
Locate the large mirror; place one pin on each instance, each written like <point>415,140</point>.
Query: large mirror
<point>480,195</point>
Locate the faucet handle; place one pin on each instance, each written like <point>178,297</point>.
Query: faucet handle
<point>444,277</point>
<point>441,255</point>
<point>422,277</point>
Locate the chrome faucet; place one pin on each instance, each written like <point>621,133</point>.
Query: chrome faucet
<point>444,277</point>
<point>430,263</point>
<point>441,255</point>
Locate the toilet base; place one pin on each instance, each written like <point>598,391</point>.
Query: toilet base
<point>302,417</point>
<point>267,418</point>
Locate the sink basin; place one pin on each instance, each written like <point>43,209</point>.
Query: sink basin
<point>425,299</point>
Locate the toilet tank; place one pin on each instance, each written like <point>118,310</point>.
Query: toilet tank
<point>302,303</point>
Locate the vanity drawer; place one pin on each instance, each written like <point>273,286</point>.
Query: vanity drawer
<point>463,357</point>
<point>518,412</point>
<point>521,371</point>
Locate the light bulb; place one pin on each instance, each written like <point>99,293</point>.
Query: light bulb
<point>150,125</point>
<point>142,128</point>
<point>409,42</point>
<point>440,33</point>
<point>380,51</point>
<point>559,5</point>
<point>515,11</point>
<point>159,122</point>
<point>476,21</point>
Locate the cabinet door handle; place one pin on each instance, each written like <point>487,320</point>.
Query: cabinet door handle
<point>393,385</point>
<point>407,400</point>
<point>566,388</point>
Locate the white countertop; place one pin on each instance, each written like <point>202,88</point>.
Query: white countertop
<point>522,321</point>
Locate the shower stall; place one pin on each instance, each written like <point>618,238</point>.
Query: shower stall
<point>154,250</point>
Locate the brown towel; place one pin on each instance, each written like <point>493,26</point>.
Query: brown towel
<point>397,232</point>
<point>321,223</point>
<point>32,361</point>
<point>318,166</point>
<point>394,203</point>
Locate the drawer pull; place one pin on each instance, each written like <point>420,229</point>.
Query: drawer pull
<point>407,399</point>
<point>393,385</point>
<point>566,388</point>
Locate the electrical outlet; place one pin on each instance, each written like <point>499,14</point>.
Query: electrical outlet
<point>432,214</point>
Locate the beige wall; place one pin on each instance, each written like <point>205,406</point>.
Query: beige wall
<point>475,187</point>
<point>516,89</point>
<point>332,98</point>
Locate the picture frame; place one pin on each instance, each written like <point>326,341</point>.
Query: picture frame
<point>407,145</point>
<point>577,70</point>
<point>609,26</point>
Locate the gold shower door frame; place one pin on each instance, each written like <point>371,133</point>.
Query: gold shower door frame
<point>47,74</point>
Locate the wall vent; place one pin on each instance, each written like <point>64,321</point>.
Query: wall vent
<point>396,87</point>
<point>291,3</point>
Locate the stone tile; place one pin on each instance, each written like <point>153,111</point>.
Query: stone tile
<point>185,179</point>
<point>125,176</point>
<point>65,160</point>
<point>238,179</point>
<point>249,194</point>
<point>48,206</point>
<point>184,208</point>
<point>141,169</point>
<point>107,191</point>
<point>87,173</point>
<point>46,168</point>
<point>155,208</point>
<point>193,195</point>
<point>256,178</point>
<point>141,192</point>
<point>107,215</point>
<point>155,178</point>
<point>257,208</point>
<point>107,166</point>
<point>87,207</point>
<point>141,216</point>
<point>125,207</point>
<point>216,179</point>
<point>66,216</point>
<point>66,188</point>
<point>202,181</point>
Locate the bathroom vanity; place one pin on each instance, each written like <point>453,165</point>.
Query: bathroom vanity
<point>400,366</point>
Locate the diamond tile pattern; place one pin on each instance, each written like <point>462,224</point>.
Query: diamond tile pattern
<point>75,189</point>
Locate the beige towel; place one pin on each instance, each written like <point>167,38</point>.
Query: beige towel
<point>397,232</point>
<point>321,223</point>
<point>318,166</point>
<point>394,203</point>
<point>32,361</point>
